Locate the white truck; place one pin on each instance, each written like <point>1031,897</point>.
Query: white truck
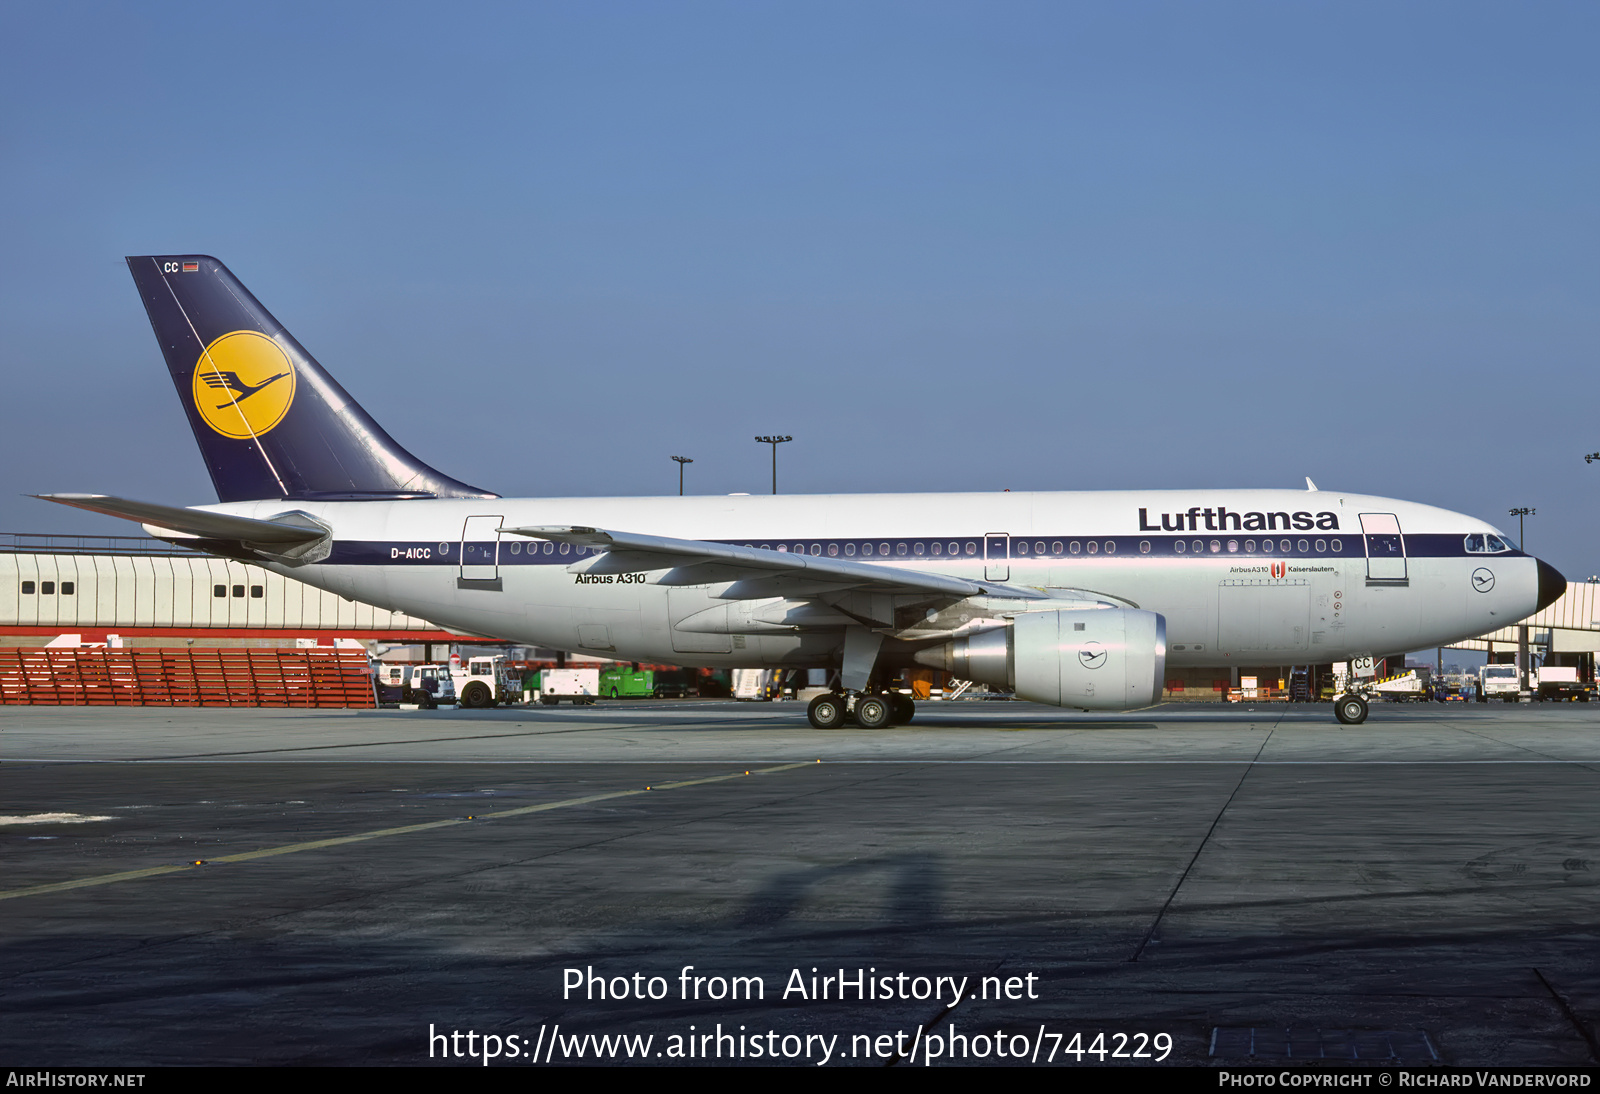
<point>1558,683</point>
<point>424,686</point>
<point>485,681</point>
<point>1499,682</point>
<point>579,686</point>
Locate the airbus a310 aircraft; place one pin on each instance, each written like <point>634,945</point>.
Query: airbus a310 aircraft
<point>1078,600</point>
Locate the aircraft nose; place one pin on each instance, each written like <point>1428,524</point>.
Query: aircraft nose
<point>1551,585</point>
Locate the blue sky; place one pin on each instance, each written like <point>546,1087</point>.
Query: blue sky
<point>945,246</point>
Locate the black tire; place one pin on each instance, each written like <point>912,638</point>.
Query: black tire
<point>1351,710</point>
<point>548,700</point>
<point>826,711</point>
<point>903,709</point>
<point>475,695</point>
<point>874,712</point>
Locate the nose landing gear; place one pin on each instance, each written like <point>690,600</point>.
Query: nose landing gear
<point>1351,710</point>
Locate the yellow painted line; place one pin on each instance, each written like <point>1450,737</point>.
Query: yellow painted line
<point>379,833</point>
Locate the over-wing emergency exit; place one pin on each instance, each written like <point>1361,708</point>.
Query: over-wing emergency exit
<point>1080,600</point>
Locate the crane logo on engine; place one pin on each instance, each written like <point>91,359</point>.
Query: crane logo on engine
<point>1092,655</point>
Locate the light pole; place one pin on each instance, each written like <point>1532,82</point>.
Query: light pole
<point>774,442</point>
<point>681,461</point>
<point>1519,514</point>
<point>1591,457</point>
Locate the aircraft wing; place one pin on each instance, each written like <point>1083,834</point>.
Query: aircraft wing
<point>192,522</point>
<point>757,573</point>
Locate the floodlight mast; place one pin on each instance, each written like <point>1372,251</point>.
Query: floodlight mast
<point>774,442</point>
<point>1519,514</point>
<point>681,461</point>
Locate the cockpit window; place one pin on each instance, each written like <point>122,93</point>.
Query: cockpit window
<point>1487,543</point>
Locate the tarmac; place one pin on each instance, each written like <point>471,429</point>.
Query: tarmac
<point>1247,886</point>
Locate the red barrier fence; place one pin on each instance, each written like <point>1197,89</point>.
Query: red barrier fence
<point>185,677</point>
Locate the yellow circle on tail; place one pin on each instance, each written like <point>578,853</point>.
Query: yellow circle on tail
<point>243,384</point>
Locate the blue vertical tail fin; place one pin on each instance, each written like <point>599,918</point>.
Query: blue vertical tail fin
<point>269,419</point>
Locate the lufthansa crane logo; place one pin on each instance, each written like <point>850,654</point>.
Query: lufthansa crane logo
<point>1482,579</point>
<point>1092,655</point>
<point>243,384</point>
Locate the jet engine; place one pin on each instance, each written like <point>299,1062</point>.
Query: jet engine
<point>1104,659</point>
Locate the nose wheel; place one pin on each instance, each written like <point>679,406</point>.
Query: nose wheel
<point>1351,710</point>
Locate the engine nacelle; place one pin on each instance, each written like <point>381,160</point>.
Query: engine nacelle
<point>1106,659</point>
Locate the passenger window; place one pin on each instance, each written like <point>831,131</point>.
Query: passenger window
<point>1302,545</point>
<point>1055,547</point>
<point>1249,546</point>
<point>1038,548</point>
<point>549,547</point>
<point>816,548</point>
<point>1074,547</point>
<point>27,588</point>
<point>1233,546</point>
<point>1144,546</point>
<point>866,550</point>
<point>833,549</point>
<point>1283,545</point>
<point>1111,546</point>
<point>1321,546</point>
<point>938,548</point>
<point>917,548</point>
<point>516,548</point>
<point>1335,546</point>
<point>899,548</point>
<point>849,548</point>
<point>1179,546</point>
<point>1198,546</point>
<point>883,548</point>
<point>1093,547</point>
<point>565,547</point>
<point>219,590</point>
<point>1216,546</point>
<point>257,592</point>
<point>1022,548</point>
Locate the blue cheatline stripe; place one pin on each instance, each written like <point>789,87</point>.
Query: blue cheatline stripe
<point>1242,548</point>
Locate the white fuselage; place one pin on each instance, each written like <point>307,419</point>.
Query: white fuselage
<point>1238,574</point>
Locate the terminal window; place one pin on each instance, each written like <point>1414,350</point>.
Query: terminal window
<point>27,588</point>
<point>238,590</point>
<point>257,592</point>
<point>219,590</point>
<point>68,588</point>
<point>47,587</point>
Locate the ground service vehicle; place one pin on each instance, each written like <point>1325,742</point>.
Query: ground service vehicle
<point>1499,682</point>
<point>485,681</point>
<point>757,685</point>
<point>1556,682</point>
<point>1072,599</point>
<point>620,682</point>
<point>425,685</point>
<point>579,686</point>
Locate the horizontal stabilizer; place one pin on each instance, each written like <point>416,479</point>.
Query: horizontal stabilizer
<point>194,522</point>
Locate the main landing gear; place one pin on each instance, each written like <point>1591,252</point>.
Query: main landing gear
<point>1351,710</point>
<point>872,711</point>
